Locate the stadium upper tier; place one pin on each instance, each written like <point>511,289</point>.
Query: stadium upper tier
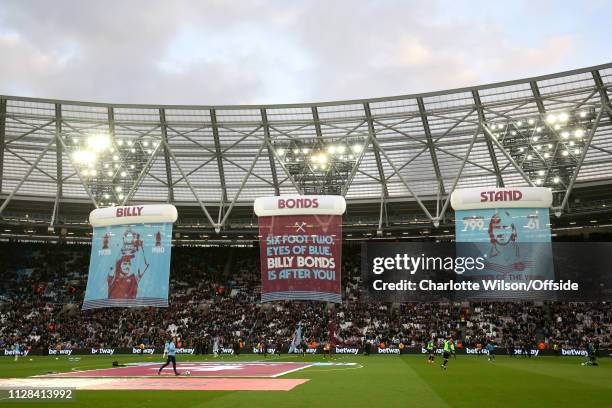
<point>553,130</point>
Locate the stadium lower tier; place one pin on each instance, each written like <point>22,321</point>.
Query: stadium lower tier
<point>214,298</point>
<point>229,321</point>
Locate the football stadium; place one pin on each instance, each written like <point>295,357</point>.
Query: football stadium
<point>235,242</point>
<point>450,248</point>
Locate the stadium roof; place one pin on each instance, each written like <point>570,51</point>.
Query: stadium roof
<point>553,130</point>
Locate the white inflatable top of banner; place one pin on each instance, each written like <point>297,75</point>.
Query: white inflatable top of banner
<point>511,197</point>
<point>300,205</point>
<point>133,214</point>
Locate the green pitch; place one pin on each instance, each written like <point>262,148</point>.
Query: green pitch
<point>376,381</point>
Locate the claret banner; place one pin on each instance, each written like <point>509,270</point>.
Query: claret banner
<point>300,247</point>
<point>130,256</point>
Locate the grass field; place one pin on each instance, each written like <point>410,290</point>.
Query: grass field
<point>376,381</point>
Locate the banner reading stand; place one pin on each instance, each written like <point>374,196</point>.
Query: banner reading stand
<point>130,256</point>
<point>510,228</point>
<point>301,247</point>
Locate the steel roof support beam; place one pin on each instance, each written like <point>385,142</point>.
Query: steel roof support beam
<point>381,171</point>
<point>78,173</point>
<point>605,99</point>
<point>2,137</point>
<point>54,213</point>
<point>280,161</point>
<point>501,148</point>
<point>432,151</point>
<point>590,135</point>
<point>33,130</point>
<point>266,130</point>
<point>59,162</point>
<point>542,109</point>
<point>467,154</point>
<point>349,180</point>
<point>25,177</point>
<point>403,180</point>
<point>317,124</point>
<point>244,181</point>
<point>382,209</point>
<point>195,194</point>
<point>215,131</point>
<point>196,169</point>
<point>164,136</point>
<point>538,97</point>
<point>481,119</point>
<point>143,172</point>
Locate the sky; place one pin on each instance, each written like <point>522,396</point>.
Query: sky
<point>267,52</point>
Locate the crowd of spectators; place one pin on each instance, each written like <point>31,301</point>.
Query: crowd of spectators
<point>214,296</point>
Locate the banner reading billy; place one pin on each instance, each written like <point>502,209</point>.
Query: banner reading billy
<point>301,247</point>
<point>130,257</point>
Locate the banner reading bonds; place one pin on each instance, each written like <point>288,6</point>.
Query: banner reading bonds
<point>130,256</point>
<point>300,247</point>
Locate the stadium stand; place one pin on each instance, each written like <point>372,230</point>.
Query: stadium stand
<point>40,307</point>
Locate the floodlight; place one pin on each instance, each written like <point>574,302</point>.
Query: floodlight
<point>83,156</point>
<point>98,142</point>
